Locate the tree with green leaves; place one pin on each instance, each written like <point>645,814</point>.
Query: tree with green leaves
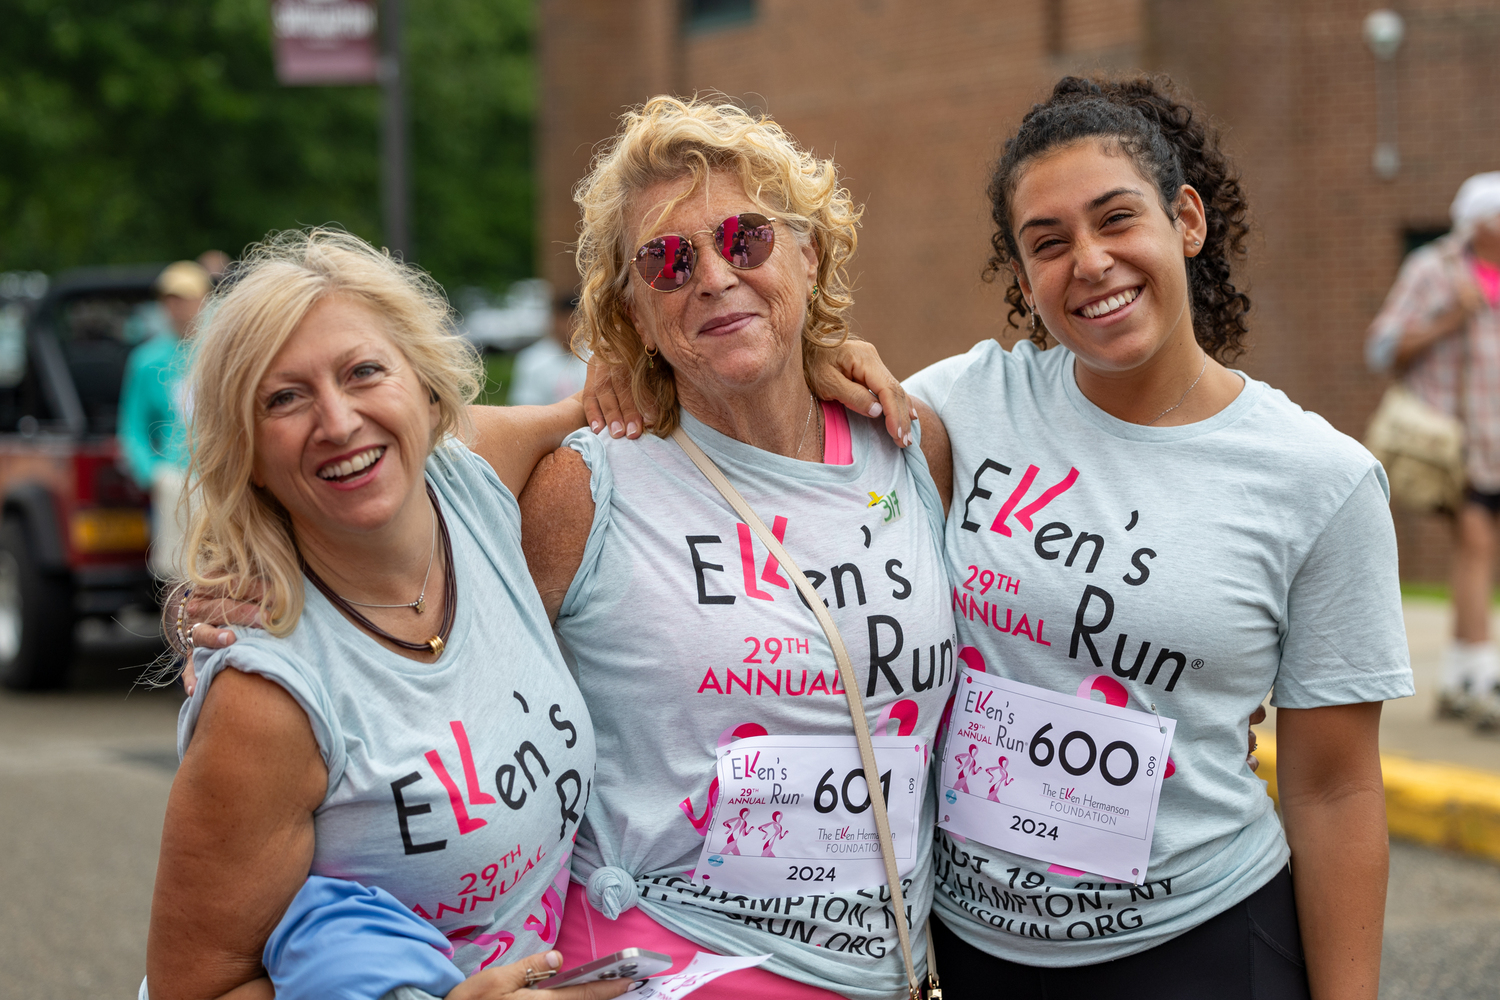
<point>149,130</point>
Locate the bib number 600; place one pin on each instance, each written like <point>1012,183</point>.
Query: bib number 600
<point>1042,751</point>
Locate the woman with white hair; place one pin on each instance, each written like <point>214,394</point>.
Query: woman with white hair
<point>1439,332</point>
<point>357,737</point>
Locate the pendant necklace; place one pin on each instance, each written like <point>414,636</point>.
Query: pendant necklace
<point>435,644</point>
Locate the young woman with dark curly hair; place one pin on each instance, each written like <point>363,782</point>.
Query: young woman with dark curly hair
<point>1157,510</point>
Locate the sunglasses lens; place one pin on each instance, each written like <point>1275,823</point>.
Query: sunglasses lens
<point>745,240</point>
<point>666,262</point>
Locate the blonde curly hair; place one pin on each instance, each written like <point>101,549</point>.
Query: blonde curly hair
<point>666,139</point>
<point>239,539</point>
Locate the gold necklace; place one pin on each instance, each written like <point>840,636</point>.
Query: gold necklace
<point>1184,396</point>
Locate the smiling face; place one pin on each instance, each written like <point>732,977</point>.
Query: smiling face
<point>727,330</point>
<point>343,425</point>
<point>1101,261</point>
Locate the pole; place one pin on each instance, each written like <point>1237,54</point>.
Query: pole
<point>395,187</point>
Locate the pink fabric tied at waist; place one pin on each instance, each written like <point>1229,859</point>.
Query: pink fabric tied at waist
<point>587,935</point>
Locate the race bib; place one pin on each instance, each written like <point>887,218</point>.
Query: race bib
<point>1054,777</point>
<point>794,812</point>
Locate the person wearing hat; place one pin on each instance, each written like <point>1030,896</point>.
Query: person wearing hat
<point>153,413</point>
<point>1439,331</point>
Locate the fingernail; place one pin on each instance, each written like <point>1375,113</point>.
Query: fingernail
<point>554,959</point>
<point>630,429</point>
<point>615,429</point>
<point>876,411</point>
<point>594,426</point>
<point>226,636</point>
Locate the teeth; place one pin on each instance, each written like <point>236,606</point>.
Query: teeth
<point>1110,304</point>
<point>349,466</point>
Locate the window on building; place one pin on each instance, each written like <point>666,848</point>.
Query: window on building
<point>708,15</point>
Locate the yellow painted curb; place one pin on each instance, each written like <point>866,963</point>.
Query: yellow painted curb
<point>1444,805</point>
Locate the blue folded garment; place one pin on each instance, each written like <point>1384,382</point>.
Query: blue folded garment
<point>344,941</point>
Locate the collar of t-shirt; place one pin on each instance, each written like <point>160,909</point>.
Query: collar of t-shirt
<point>1116,427</point>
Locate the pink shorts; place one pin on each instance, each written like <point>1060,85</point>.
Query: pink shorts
<point>587,934</point>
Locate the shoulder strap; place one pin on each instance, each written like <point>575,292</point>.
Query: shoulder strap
<point>846,673</point>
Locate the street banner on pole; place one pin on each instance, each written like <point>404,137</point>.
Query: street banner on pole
<point>325,42</point>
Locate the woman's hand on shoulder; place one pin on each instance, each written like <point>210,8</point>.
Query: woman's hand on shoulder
<point>557,513</point>
<point>609,404</point>
<point>508,982</point>
<point>854,375</point>
<point>238,838</point>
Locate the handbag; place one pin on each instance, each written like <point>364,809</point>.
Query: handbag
<point>1421,449</point>
<point>856,708</point>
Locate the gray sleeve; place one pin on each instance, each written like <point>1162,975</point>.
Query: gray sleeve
<point>933,384</point>
<point>1343,637</point>
<point>601,487</point>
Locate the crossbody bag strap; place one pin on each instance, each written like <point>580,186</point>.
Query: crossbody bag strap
<point>846,673</point>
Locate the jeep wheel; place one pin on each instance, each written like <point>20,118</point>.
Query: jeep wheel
<point>36,617</point>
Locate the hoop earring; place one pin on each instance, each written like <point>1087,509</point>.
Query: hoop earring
<point>651,353</point>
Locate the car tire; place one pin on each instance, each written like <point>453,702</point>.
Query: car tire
<point>36,616</point>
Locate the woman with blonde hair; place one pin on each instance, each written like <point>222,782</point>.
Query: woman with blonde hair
<point>347,740</point>
<point>713,254</point>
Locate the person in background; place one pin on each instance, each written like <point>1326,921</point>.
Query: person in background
<point>152,417</point>
<point>548,370</point>
<point>216,263</point>
<point>1439,332</point>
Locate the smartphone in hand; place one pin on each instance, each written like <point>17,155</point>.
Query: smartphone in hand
<point>631,963</point>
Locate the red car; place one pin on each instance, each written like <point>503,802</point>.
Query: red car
<point>75,528</point>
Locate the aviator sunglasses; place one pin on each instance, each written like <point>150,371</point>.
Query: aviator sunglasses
<point>744,241</point>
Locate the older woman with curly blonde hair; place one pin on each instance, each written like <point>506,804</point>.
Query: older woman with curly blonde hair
<point>330,390</point>
<point>712,254</point>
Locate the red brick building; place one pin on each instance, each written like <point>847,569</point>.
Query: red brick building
<point>913,100</point>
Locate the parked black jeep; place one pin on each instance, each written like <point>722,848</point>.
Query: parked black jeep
<point>75,527</point>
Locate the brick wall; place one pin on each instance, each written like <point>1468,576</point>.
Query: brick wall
<point>913,101</point>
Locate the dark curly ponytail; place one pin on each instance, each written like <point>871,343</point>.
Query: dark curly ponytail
<point>1173,143</point>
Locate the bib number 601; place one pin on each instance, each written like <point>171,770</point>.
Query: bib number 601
<point>832,792</point>
<point>1039,743</point>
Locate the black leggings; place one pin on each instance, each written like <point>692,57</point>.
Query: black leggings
<point>1252,951</point>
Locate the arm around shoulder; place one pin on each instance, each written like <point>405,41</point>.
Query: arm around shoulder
<point>513,439</point>
<point>238,839</point>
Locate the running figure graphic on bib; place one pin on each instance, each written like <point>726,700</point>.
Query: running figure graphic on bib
<point>738,827</point>
<point>968,763</point>
<point>998,783</point>
<point>777,832</point>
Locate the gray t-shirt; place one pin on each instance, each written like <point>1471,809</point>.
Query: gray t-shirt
<point>1201,566</point>
<point>685,635</point>
<point>455,786</point>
